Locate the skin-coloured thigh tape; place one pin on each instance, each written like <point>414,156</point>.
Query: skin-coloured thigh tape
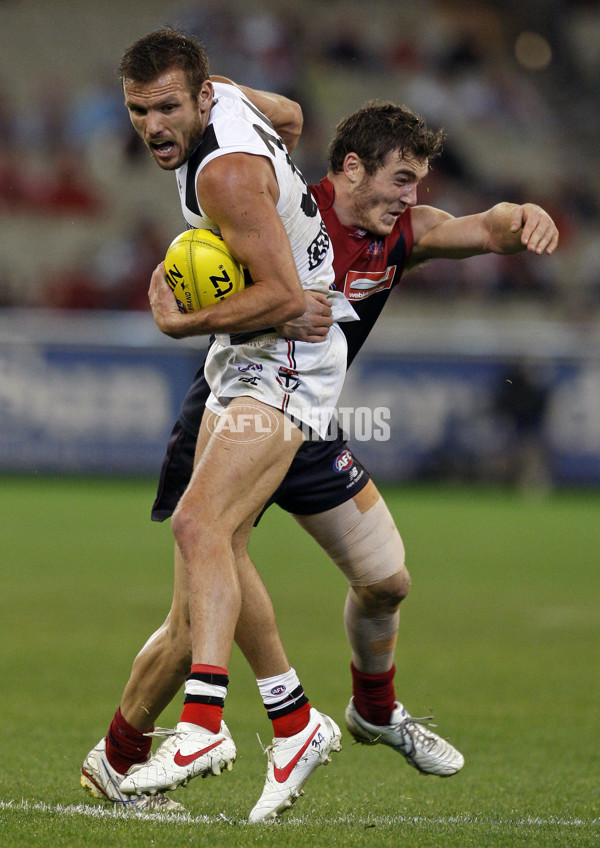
<point>360,537</point>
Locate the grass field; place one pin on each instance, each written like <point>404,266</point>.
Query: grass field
<point>500,638</point>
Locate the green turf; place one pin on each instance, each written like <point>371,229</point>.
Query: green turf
<point>499,637</point>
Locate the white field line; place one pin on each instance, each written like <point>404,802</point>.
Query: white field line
<point>105,812</point>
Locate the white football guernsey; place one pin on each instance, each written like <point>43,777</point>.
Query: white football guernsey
<point>236,126</point>
<point>300,379</point>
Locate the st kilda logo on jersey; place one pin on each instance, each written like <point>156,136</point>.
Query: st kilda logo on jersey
<point>288,379</point>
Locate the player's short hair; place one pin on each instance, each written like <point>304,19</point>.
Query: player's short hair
<point>378,129</point>
<point>159,51</point>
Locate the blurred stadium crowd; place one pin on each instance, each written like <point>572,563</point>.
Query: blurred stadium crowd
<point>515,85</point>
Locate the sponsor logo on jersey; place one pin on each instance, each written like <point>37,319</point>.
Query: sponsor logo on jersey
<point>343,461</point>
<point>361,284</point>
<point>251,367</point>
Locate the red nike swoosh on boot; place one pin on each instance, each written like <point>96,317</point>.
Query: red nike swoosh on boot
<point>282,774</point>
<point>185,759</point>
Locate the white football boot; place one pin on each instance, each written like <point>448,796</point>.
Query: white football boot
<point>292,760</point>
<point>421,747</point>
<point>189,751</point>
<point>103,781</point>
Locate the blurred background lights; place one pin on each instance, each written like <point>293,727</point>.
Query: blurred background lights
<point>532,51</point>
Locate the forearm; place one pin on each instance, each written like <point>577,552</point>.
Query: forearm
<point>505,228</point>
<point>257,307</point>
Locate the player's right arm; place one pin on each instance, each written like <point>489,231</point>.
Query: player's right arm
<point>285,114</point>
<point>239,192</point>
<point>506,228</point>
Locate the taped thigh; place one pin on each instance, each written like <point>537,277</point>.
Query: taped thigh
<point>360,537</point>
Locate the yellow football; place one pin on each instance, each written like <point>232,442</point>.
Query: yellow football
<point>201,271</point>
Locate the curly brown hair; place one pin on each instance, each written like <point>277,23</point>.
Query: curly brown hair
<point>379,128</point>
<point>159,51</point>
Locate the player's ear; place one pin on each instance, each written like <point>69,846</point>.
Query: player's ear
<point>205,96</point>
<point>353,167</point>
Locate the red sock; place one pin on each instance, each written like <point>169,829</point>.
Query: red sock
<point>374,694</point>
<point>206,715</point>
<point>292,723</point>
<point>125,745</point>
<point>205,710</point>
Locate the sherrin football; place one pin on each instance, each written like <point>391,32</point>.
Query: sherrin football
<point>201,271</point>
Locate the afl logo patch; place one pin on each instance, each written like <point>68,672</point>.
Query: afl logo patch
<point>343,462</point>
<point>278,690</point>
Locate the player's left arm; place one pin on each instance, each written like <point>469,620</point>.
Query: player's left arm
<point>505,228</point>
<point>285,114</point>
<point>314,324</point>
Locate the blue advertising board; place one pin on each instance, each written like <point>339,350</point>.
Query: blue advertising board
<point>73,409</point>
<point>453,416</point>
<point>89,403</point>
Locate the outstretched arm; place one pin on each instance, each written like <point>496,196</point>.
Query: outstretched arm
<point>285,114</point>
<point>505,228</point>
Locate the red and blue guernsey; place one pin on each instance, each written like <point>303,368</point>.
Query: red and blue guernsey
<point>366,267</point>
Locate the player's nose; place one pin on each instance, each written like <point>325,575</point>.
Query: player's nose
<point>154,124</point>
<point>409,194</point>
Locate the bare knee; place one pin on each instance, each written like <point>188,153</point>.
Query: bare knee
<point>184,527</point>
<point>385,596</point>
<point>195,536</point>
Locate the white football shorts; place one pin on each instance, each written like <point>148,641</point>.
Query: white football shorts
<point>301,379</point>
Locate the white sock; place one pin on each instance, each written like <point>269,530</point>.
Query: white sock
<point>275,689</point>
